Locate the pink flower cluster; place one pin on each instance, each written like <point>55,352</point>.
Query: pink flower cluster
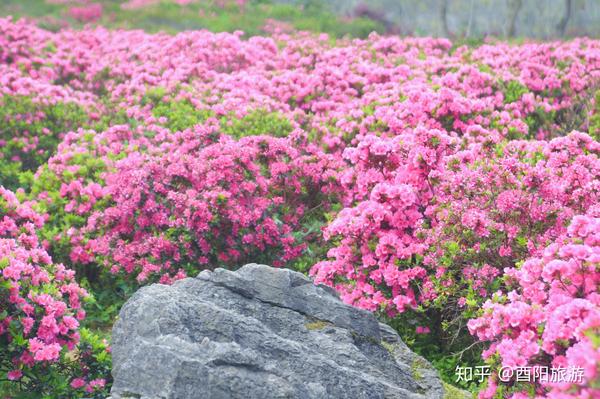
<point>449,222</point>
<point>137,4</point>
<point>41,302</point>
<point>377,242</point>
<point>551,317</point>
<point>497,206</point>
<point>70,184</point>
<point>86,13</point>
<point>205,200</point>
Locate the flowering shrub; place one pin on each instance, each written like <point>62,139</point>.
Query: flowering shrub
<point>71,185</point>
<point>494,210</point>
<point>452,225</point>
<point>550,318</point>
<point>375,262</point>
<point>595,118</point>
<point>412,175</point>
<point>436,232</point>
<point>225,202</point>
<point>86,13</point>
<point>41,307</point>
<point>31,131</point>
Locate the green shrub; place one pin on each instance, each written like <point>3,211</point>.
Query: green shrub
<point>30,132</point>
<point>444,351</point>
<point>513,91</point>
<point>180,115</point>
<point>255,123</point>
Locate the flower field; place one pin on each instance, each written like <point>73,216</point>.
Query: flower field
<point>452,190</point>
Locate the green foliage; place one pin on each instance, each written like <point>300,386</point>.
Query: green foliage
<point>180,115</point>
<point>314,220</point>
<point>91,359</point>
<point>85,167</point>
<point>451,392</point>
<point>154,95</point>
<point>539,119</point>
<point>90,169</point>
<point>444,346</point>
<point>29,134</point>
<point>111,118</point>
<point>513,91</point>
<point>257,122</point>
<point>316,18</point>
<point>594,128</point>
<point>472,42</point>
<point>108,293</point>
<point>170,17</point>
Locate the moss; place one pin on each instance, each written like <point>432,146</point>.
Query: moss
<point>452,392</point>
<point>415,368</point>
<point>317,324</point>
<point>389,347</point>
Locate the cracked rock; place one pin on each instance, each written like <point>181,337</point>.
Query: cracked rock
<point>259,332</point>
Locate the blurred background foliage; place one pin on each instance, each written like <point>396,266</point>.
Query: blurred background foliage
<point>251,17</point>
<point>458,19</point>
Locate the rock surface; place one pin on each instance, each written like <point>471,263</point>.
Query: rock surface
<point>477,18</point>
<point>259,332</point>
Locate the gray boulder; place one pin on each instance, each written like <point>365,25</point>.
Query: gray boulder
<point>259,332</point>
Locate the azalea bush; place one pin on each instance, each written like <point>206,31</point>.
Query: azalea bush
<point>483,208</point>
<point>595,118</point>
<point>70,186</point>
<point>424,180</point>
<point>42,309</point>
<point>433,238</point>
<point>225,202</point>
<point>31,131</point>
<point>548,317</point>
